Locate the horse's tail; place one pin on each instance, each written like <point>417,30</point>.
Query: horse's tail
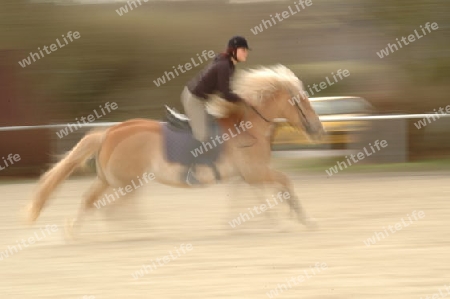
<point>75,158</point>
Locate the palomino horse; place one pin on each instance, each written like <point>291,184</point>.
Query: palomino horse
<point>127,150</point>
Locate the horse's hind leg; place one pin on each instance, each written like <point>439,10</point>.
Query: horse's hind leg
<point>127,216</point>
<point>97,189</point>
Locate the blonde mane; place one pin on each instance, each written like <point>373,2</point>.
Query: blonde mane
<point>256,86</point>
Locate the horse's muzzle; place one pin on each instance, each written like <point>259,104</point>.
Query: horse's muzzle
<point>316,134</point>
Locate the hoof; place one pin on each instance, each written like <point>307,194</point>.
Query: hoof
<point>69,229</point>
<point>310,223</point>
<point>285,227</point>
<point>30,214</point>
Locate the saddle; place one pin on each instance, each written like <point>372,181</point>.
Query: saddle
<point>177,120</point>
<point>181,146</point>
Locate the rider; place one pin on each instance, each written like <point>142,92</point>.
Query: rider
<point>213,78</point>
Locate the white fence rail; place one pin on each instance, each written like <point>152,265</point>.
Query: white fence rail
<point>322,118</point>
<point>392,128</point>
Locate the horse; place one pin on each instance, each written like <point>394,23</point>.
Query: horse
<point>134,147</point>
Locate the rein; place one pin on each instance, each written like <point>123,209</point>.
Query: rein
<point>260,115</point>
<point>269,121</point>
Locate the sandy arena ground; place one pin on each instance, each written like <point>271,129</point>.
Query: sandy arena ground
<point>244,262</point>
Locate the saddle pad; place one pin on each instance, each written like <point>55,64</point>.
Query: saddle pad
<point>181,147</point>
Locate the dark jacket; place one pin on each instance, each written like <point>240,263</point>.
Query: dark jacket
<point>215,78</point>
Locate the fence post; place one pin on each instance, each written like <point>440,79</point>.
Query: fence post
<point>395,132</point>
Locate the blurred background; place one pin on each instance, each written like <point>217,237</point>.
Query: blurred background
<point>117,58</point>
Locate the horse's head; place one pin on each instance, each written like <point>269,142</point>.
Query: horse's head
<point>277,93</point>
<point>300,114</point>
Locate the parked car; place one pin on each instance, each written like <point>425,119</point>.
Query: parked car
<point>339,133</point>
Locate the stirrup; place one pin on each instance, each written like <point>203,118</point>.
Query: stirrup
<point>191,180</point>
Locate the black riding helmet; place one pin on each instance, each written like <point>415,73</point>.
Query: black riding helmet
<point>236,42</point>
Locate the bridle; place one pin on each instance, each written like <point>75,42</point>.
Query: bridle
<point>260,115</point>
<point>296,104</point>
<point>301,111</point>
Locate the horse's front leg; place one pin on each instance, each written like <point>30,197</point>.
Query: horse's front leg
<point>292,198</point>
<point>272,176</point>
